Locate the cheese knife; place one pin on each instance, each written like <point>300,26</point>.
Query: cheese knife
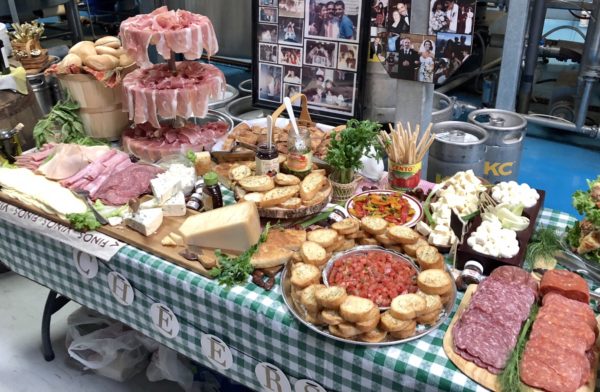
<point>84,195</point>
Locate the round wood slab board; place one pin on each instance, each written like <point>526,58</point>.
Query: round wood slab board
<point>284,213</point>
<point>483,376</point>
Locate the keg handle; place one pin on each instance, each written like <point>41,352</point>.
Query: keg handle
<point>513,137</point>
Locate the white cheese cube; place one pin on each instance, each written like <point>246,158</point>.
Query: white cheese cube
<point>439,239</point>
<point>423,228</point>
<point>175,206</point>
<point>165,187</point>
<point>145,221</point>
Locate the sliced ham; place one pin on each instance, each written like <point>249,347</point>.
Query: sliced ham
<point>69,159</point>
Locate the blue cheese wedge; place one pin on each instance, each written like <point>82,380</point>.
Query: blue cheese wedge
<point>175,206</point>
<point>145,221</point>
<point>164,187</point>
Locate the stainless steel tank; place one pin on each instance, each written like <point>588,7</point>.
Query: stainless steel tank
<point>443,108</point>
<point>241,109</point>
<point>506,133</point>
<point>41,89</point>
<point>458,146</point>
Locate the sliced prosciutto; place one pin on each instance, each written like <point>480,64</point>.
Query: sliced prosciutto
<point>150,144</point>
<point>155,91</point>
<point>178,31</point>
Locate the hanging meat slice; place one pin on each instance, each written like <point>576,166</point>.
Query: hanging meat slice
<point>178,31</point>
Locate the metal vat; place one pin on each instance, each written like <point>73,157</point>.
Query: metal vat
<point>443,108</point>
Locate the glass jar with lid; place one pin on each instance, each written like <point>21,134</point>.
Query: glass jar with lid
<point>299,159</point>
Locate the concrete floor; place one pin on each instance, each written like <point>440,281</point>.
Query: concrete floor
<point>22,366</point>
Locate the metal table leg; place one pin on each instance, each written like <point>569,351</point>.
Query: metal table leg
<point>72,13</point>
<point>54,303</point>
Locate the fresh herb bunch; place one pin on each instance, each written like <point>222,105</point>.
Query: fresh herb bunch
<point>350,145</point>
<point>510,378</point>
<point>544,244</point>
<point>587,203</point>
<point>83,221</point>
<point>63,124</point>
<point>235,270</point>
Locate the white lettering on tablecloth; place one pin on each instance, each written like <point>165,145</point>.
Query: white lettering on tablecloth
<point>120,288</point>
<point>271,378</point>
<point>87,265</point>
<point>92,242</point>
<point>216,351</point>
<point>164,320</point>
<point>307,386</point>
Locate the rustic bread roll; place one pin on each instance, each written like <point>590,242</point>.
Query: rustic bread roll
<point>101,62</point>
<point>71,59</point>
<point>109,41</point>
<point>107,50</point>
<point>83,49</point>
<point>125,60</point>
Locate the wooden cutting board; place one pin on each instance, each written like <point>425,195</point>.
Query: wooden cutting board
<point>150,244</point>
<point>483,376</point>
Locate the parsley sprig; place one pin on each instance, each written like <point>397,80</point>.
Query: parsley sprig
<point>235,270</point>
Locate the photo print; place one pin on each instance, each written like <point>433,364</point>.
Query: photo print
<point>328,88</point>
<point>267,15</point>
<point>268,3</point>
<point>337,20</point>
<point>267,33</point>
<point>413,58</point>
<point>290,31</point>
<point>267,52</point>
<point>347,57</point>
<point>291,8</point>
<point>320,53</point>
<point>452,50</point>
<point>377,49</point>
<point>289,90</point>
<point>398,21</point>
<point>292,74</point>
<point>379,11</point>
<point>269,82</point>
<point>290,55</point>
<point>452,16</point>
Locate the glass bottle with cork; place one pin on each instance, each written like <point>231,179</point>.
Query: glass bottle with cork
<point>211,192</point>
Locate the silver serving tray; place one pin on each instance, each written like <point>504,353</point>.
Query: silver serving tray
<point>230,94</point>
<point>422,330</point>
<point>211,116</point>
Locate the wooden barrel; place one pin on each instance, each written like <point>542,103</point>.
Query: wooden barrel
<point>17,108</point>
<point>101,109</point>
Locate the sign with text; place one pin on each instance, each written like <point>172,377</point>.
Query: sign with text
<point>120,288</point>
<point>164,320</point>
<point>87,265</point>
<point>92,242</point>
<point>271,378</point>
<point>216,351</point>
<point>307,386</point>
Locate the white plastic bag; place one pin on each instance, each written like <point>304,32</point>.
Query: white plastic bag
<point>166,365</point>
<point>107,346</point>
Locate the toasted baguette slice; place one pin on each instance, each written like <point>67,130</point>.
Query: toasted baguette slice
<point>370,323</point>
<point>255,197</point>
<point>278,195</point>
<point>348,330</point>
<point>311,185</point>
<point>429,318</point>
<point>296,258</point>
<point>240,172</point>
<point>304,275</point>
<point>334,330</point>
<point>384,240</point>
<point>446,297</point>
<point>356,236</point>
<point>331,297</point>
<point>346,245</point>
<point>434,281</point>
<point>331,317</point>
<point>313,253</point>
<point>428,257</point>
<point>320,197</point>
<point>368,241</point>
<point>257,183</point>
<point>337,244</point>
<point>286,179</point>
<point>308,299</point>
<point>374,336</point>
<point>323,237</point>
<point>411,249</point>
<point>320,171</point>
<point>391,324</point>
<point>403,235</point>
<point>405,333</point>
<point>270,255</point>
<point>373,225</point>
<point>347,226</point>
<point>407,306</point>
<point>356,309</point>
<point>313,318</point>
<point>396,248</point>
<point>291,203</point>
<point>433,303</point>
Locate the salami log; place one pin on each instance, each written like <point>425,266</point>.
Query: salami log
<point>566,283</point>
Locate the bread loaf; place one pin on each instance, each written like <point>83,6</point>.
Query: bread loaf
<point>101,62</point>
<point>83,49</point>
<point>109,41</point>
<point>125,60</point>
<point>107,50</point>
<point>71,59</point>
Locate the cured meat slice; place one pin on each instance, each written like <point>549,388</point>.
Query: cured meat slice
<point>127,184</point>
<point>178,31</point>
<point>490,343</point>
<point>476,361</point>
<point>494,296</point>
<point>515,275</point>
<point>155,91</point>
<point>574,308</point>
<point>578,339</point>
<point>566,283</point>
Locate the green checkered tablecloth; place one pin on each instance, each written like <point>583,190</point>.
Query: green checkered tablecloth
<point>255,324</point>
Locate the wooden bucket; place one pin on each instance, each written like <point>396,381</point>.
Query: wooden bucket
<point>101,108</point>
<point>17,108</point>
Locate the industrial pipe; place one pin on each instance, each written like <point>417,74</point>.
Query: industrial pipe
<point>589,131</point>
<point>460,79</point>
<point>536,27</point>
<point>589,72</point>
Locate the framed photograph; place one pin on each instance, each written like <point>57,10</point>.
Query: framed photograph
<point>452,16</point>
<point>347,57</point>
<point>335,20</point>
<point>398,17</point>
<point>267,52</point>
<point>267,14</point>
<point>452,51</point>
<point>413,57</point>
<point>290,30</point>
<point>290,55</point>
<point>317,47</point>
<point>320,53</point>
<point>270,82</point>
<point>267,32</point>
<point>291,8</point>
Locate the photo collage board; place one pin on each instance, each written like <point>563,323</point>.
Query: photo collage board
<point>311,47</point>
<point>430,58</point>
